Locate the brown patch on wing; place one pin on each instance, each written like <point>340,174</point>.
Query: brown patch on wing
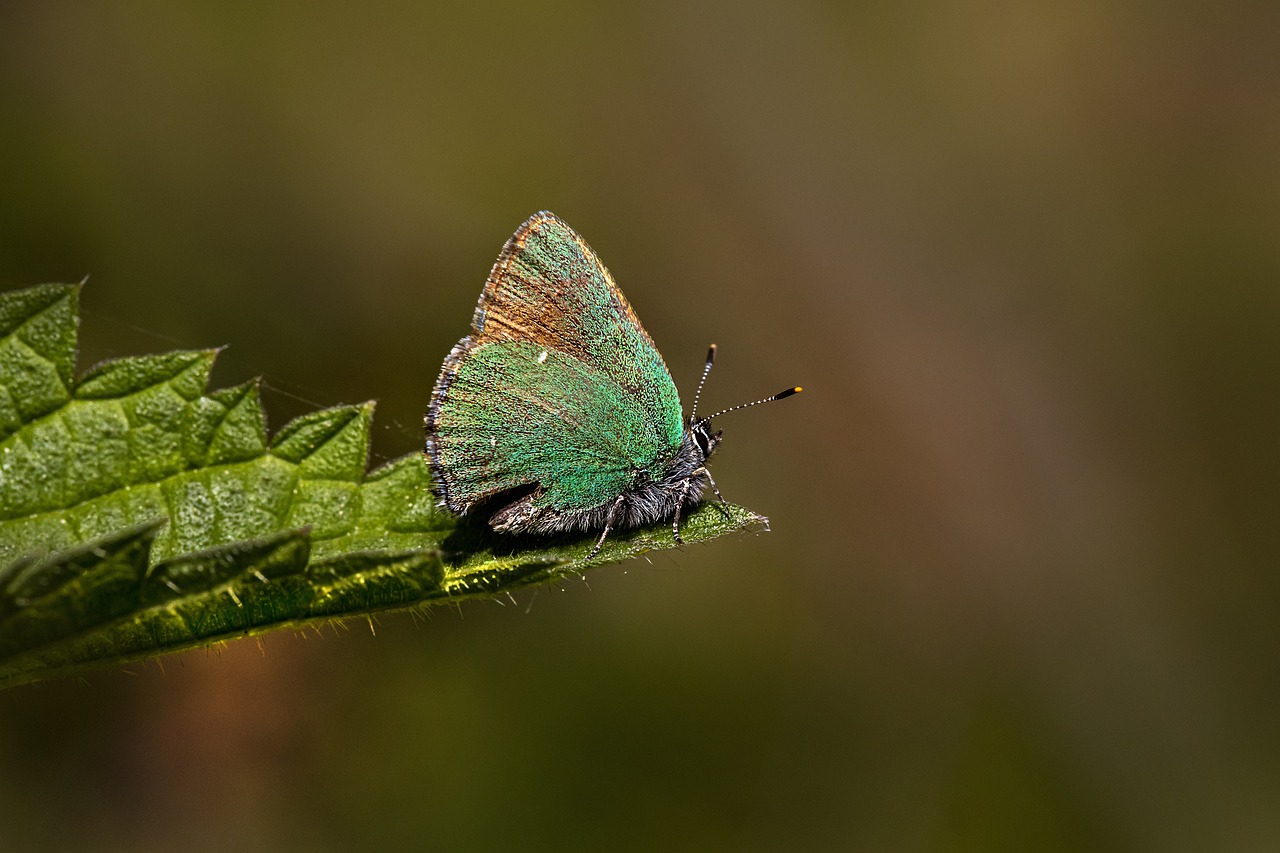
<point>546,305</point>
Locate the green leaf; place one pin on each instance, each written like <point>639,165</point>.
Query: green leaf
<point>141,514</point>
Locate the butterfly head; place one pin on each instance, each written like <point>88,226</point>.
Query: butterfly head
<point>704,438</point>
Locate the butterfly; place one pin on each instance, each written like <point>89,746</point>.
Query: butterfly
<point>557,413</point>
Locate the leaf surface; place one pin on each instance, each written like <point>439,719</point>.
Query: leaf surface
<point>141,514</point>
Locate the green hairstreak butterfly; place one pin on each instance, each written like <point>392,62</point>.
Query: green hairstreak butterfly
<point>557,413</point>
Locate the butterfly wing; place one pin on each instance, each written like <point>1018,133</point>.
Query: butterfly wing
<point>557,385</point>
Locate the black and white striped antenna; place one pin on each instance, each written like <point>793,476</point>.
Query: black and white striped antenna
<point>711,357</point>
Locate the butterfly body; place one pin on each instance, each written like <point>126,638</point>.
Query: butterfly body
<point>557,411</point>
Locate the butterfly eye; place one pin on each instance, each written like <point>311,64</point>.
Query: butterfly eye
<point>703,438</point>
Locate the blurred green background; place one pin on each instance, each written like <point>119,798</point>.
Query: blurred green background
<point>1021,588</point>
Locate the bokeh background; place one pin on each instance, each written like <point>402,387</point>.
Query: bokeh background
<point>1021,587</point>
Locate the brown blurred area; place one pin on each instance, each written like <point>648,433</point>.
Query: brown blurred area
<point>1020,591</point>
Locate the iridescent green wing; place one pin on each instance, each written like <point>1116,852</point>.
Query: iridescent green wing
<point>581,419</point>
<point>549,288</point>
<point>517,414</point>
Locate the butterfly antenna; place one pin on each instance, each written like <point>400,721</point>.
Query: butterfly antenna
<point>711,357</point>
<point>781,395</point>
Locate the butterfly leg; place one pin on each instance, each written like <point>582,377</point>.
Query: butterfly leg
<point>724,504</point>
<point>614,511</point>
<point>675,522</point>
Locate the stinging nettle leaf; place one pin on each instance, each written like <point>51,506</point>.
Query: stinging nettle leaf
<point>142,514</point>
